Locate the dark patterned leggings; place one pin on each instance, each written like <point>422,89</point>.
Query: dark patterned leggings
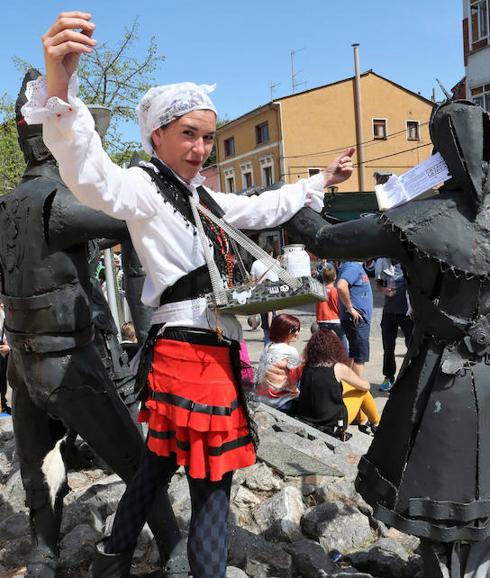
<point>206,545</point>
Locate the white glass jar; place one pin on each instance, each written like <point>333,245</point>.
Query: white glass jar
<point>296,260</point>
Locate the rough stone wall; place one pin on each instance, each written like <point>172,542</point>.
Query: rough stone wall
<point>294,514</point>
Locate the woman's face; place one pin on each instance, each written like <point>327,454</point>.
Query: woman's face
<point>186,143</point>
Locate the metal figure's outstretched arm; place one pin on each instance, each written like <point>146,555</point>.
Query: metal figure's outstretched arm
<point>67,222</point>
<point>354,240</point>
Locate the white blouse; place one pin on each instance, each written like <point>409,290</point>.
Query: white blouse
<point>163,239</point>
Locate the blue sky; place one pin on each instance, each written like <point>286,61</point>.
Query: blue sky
<point>244,46</point>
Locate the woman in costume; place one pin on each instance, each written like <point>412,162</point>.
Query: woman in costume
<point>194,408</point>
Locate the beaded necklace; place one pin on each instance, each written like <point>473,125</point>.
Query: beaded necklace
<point>224,245</point>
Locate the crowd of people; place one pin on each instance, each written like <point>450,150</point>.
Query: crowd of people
<point>324,385</point>
<point>189,369</point>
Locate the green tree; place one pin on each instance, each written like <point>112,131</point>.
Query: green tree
<point>115,78</point>
<point>11,158</point>
<point>111,76</point>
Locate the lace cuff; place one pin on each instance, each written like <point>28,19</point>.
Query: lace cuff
<point>38,107</point>
<point>315,194</point>
<point>317,182</point>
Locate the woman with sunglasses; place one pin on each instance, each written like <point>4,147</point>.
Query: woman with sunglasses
<point>284,331</point>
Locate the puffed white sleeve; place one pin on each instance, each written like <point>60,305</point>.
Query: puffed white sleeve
<point>273,207</point>
<point>69,133</point>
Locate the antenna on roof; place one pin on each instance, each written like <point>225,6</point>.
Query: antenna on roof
<point>273,86</point>
<point>295,73</point>
<point>441,86</point>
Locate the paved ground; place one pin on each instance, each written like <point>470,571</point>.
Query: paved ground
<point>373,371</point>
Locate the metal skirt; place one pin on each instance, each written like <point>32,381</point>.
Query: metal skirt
<point>427,471</point>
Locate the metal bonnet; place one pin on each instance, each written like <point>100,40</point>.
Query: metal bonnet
<point>460,131</point>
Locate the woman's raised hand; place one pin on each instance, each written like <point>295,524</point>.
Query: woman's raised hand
<point>340,169</point>
<point>68,38</point>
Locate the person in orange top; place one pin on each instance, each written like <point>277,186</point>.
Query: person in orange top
<point>328,311</point>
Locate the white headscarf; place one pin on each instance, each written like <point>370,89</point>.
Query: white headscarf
<point>163,104</point>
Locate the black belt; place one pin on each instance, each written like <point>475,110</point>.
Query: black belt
<point>186,403</point>
<point>44,343</point>
<point>191,286</point>
<point>195,336</point>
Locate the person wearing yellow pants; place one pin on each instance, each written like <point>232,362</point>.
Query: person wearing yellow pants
<point>361,407</point>
<point>331,394</point>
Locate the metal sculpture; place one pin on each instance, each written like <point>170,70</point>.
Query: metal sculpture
<point>58,378</point>
<point>427,471</point>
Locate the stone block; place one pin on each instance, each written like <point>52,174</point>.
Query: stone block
<point>280,516</point>
<point>290,462</point>
<point>337,527</point>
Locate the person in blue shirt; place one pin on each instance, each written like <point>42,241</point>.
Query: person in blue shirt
<point>356,310</point>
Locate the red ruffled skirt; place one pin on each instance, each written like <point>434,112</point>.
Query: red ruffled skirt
<point>193,410</point>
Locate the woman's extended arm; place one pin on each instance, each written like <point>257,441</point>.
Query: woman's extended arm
<point>69,133</point>
<point>344,373</point>
<point>274,207</point>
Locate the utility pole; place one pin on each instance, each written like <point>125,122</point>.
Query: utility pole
<point>295,73</point>
<point>358,113</point>
<point>111,288</point>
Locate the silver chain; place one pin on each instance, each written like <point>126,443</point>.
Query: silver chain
<point>249,246</point>
<point>216,280</point>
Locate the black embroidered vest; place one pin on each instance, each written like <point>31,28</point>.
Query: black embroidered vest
<point>197,283</point>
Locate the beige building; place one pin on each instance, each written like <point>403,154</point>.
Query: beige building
<point>294,136</point>
<point>476,42</point>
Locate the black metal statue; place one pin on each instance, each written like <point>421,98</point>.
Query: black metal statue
<point>55,371</point>
<point>427,471</point>
<point>106,340</point>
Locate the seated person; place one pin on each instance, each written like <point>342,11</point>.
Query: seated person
<point>284,330</point>
<point>331,394</point>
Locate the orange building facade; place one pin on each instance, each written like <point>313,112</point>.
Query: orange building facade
<point>294,136</point>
